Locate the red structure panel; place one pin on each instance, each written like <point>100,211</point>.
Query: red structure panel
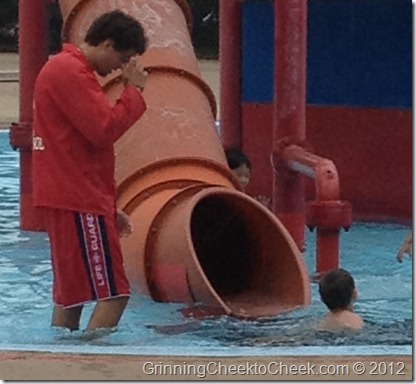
<point>371,148</point>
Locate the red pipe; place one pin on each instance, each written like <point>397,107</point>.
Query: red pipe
<point>327,250</point>
<point>316,167</point>
<point>33,53</point>
<point>230,78</point>
<point>327,213</point>
<point>289,111</point>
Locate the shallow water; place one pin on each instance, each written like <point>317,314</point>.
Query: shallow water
<point>367,251</point>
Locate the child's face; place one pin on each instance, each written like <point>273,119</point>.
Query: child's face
<point>243,174</point>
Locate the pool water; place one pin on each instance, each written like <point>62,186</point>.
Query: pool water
<point>147,327</point>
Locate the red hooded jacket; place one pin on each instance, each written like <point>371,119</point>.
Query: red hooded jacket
<point>74,130</point>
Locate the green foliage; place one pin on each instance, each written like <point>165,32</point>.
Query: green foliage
<point>55,26</point>
<point>205,35</point>
<point>8,12</point>
<point>8,25</point>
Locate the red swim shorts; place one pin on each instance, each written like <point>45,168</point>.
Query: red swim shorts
<point>86,257</point>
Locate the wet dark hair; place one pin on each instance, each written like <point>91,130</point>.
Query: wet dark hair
<point>336,289</point>
<point>236,157</point>
<point>126,32</point>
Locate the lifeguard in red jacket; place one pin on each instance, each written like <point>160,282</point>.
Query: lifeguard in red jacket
<point>75,128</point>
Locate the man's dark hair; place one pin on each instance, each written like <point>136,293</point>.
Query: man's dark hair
<point>236,157</point>
<point>126,32</point>
<point>336,289</point>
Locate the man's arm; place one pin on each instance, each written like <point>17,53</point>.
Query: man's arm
<point>406,248</point>
<point>80,98</point>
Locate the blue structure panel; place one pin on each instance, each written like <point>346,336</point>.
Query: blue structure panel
<point>258,51</point>
<point>360,53</point>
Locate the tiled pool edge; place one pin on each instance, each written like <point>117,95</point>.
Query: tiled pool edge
<point>359,350</point>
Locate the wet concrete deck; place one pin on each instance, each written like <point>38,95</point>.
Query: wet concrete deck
<point>50,366</point>
<point>9,85</point>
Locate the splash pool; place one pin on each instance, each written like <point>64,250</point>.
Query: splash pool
<point>367,251</point>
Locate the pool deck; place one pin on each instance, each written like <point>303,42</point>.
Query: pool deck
<point>9,89</point>
<point>9,85</point>
<point>62,366</point>
<point>24,365</point>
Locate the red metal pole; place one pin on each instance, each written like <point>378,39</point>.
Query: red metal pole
<point>33,53</point>
<point>289,112</point>
<point>327,250</point>
<point>230,75</point>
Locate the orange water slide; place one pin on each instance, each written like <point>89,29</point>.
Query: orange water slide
<point>198,239</point>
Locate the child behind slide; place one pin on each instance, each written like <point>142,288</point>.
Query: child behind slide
<point>240,165</point>
<point>338,293</point>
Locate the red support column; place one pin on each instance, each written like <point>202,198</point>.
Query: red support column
<point>33,53</point>
<point>230,75</point>
<point>327,250</point>
<point>289,112</point>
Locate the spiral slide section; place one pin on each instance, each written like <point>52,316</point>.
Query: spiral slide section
<point>198,239</point>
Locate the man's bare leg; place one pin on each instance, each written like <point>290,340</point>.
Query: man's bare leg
<point>68,318</point>
<point>107,313</point>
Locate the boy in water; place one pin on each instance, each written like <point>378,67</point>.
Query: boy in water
<point>338,293</point>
